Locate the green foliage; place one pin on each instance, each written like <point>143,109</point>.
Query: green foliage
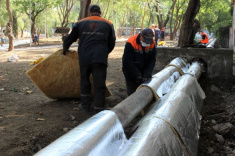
<point>128,13</point>
<point>45,20</point>
<point>214,14</point>
<point>3,13</point>
<point>36,5</point>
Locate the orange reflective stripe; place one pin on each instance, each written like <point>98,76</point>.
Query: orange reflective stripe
<point>132,41</point>
<point>137,47</point>
<point>97,18</point>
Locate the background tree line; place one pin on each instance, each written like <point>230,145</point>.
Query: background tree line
<point>176,15</point>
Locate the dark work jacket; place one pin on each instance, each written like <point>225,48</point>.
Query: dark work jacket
<point>96,39</point>
<point>157,33</point>
<point>137,60</point>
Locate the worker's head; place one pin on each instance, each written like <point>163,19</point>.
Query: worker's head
<point>163,29</point>
<point>94,9</point>
<point>201,32</point>
<point>146,36</point>
<point>155,26</point>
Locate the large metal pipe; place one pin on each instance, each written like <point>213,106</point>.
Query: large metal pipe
<point>129,108</point>
<point>172,125</point>
<point>212,43</point>
<point>102,134</point>
<point>104,130</point>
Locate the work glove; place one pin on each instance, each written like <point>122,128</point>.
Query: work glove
<point>139,79</point>
<point>147,75</point>
<point>144,79</point>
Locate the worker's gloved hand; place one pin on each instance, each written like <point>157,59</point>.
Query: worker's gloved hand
<point>139,79</point>
<point>144,79</point>
<point>147,75</point>
<point>64,52</point>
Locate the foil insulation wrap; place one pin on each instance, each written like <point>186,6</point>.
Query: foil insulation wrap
<point>153,138</point>
<point>172,125</point>
<point>180,63</point>
<point>162,82</point>
<point>101,134</point>
<point>196,69</point>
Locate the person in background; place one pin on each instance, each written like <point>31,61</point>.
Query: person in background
<point>2,40</point>
<point>153,28</point>
<point>162,34</point>
<point>205,38</point>
<point>139,59</point>
<point>35,38</point>
<point>157,34</point>
<point>96,40</point>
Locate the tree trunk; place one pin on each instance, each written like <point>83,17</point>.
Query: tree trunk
<point>171,19</point>
<point>107,8</point>
<point>161,22</point>
<point>142,23</point>
<point>22,33</point>
<point>1,28</point>
<point>33,26</point>
<point>178,19</point>
<point>64,12</point>
<point>151,15</point>
<point>122,25</point>
<point>84,8</point>
<point>9,27</point>
<point>15,25</point>
<point>187,27</point>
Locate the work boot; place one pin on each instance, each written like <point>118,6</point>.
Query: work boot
<point>84,109</point>
<point>85,103</point>
<point>97,110</point>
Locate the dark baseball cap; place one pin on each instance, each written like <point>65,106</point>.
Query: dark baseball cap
<point>95,8</point>
<point>147,33</point>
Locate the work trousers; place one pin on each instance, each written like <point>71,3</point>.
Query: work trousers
<point>98,71</point>
<point>131,86</point>
<point>156,41</point>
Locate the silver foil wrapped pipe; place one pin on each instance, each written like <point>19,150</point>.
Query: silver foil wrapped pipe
<point>157,86</point>
<point>101,134</point>
<point>171,127</point>
<point>196,69</point>
<point>211,44</point>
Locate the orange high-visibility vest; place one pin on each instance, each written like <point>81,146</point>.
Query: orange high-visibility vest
<point>206,40</point>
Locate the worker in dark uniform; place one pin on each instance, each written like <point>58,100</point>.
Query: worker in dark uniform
<point>96,40</point>
<point>157,35</point>
<point>162,35</point>
<point>139,59</point>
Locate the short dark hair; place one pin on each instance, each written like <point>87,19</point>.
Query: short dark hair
<point>94,9</point>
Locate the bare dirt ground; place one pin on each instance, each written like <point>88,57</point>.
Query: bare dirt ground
<point>29,120</point>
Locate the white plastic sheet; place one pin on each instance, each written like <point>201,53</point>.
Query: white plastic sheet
<point>102,134</point>
<point>13,58</point>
